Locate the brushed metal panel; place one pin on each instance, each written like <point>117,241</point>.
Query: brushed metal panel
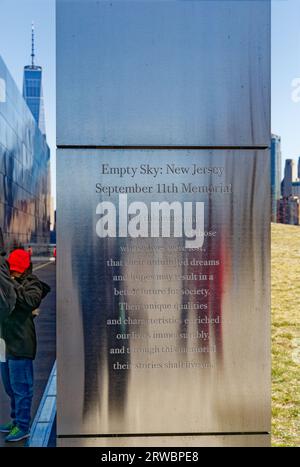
<point>175,73</point>
<point>215,376</point>
<point>224,441</point>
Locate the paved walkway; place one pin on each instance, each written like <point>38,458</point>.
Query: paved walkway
<point>46,333</point>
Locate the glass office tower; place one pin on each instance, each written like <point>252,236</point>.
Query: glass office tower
<point>33,89</point>
<point>24,170</point>
<point>33,94</point>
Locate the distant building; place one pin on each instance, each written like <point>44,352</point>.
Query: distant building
<point>24,170</point>
<point>289,210</point>
<point>290,175</point>
<point>33,89</point>
<point>296,188</point>
<point>275,174</point>
<point>299,168</point>
<point>288,207</point>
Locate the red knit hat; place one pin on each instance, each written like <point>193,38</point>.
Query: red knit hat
<point>19,261</point>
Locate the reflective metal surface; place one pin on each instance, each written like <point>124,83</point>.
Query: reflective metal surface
<point>173,73</point>
<point>155,336</point>
<point>169,441</point>
<point>24,170</point>
<point>188,350</point>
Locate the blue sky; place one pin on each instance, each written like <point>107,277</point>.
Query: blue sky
<point>285,69</point>
<point>15,29</point>
<point>15,47</point>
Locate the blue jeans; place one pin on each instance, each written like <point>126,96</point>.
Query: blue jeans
<point>17,377</point>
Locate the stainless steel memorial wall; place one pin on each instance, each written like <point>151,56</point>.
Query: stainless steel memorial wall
<point>163,222</point>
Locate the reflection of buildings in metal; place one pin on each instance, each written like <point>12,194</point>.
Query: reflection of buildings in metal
<point>24,171</point>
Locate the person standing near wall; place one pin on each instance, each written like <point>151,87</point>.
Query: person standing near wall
<point>18,333</point>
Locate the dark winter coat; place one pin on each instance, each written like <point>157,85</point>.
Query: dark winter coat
<point>7,291</point>
<point>18,330</point>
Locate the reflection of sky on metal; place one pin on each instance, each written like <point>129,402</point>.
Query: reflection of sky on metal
<point>168,84</point>
<point>24,170</point>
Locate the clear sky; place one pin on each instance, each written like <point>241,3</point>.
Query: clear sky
<point>286,69</point>
<point>16,17</point>
<point>15,36</point>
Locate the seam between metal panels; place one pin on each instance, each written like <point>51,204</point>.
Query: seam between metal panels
<point>249,148</point>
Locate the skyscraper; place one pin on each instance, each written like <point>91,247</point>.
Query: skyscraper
<point>290,176</point>
<point>33,90</point>
<point>275,174</point>
<point>289,205</point>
